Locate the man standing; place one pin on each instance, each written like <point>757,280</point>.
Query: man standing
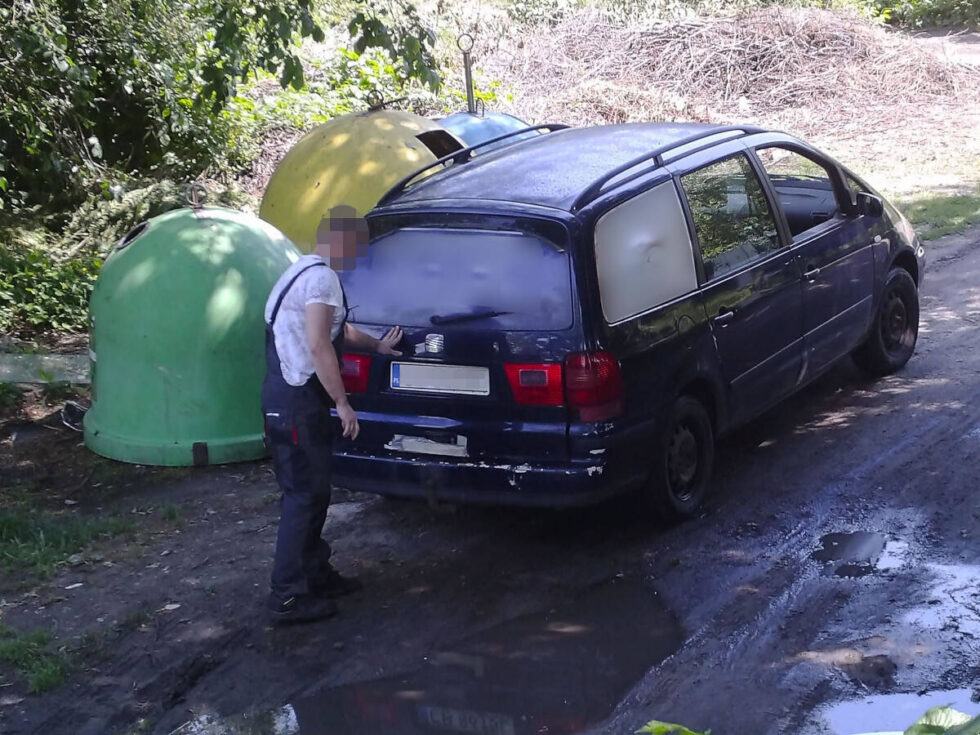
<point>306,330</point>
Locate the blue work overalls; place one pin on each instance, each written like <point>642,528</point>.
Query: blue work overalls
<point>299,432</point>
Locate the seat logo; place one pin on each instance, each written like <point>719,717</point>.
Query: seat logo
<point>433,345</point>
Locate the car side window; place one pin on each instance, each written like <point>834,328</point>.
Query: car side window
<point>804,187</point>
<point>643,252</point>
<point>732,217</point>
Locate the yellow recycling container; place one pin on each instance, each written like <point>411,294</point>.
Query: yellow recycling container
<point>353,159</point>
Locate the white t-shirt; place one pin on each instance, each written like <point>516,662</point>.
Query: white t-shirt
<point>318,285</point>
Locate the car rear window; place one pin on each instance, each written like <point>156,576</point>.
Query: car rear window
<point>411,275</point>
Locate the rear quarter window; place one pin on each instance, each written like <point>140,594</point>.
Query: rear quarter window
<point>644,255</point>
<point>411,275</point>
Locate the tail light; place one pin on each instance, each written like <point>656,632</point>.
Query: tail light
<point>593,386</point>
<point>355,371</point>
<point>536,384</point>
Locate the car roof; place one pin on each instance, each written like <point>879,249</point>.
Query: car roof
<point>550,170</point>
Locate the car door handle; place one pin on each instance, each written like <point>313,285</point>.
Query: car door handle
<point>724,317</point>
<point>811,276</point>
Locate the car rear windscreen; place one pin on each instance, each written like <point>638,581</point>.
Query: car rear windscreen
<point>480,279</point>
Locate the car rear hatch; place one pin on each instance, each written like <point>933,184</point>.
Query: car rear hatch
<point>489,314</point>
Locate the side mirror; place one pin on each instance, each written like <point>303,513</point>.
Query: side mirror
<point>869,205</point>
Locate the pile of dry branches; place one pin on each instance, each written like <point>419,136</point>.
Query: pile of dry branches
<point>755,64</point>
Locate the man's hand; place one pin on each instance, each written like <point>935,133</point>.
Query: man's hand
<point>386,345</point>
<point>348,420</point>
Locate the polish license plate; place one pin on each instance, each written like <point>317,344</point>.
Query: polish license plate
<point>457,379</point>
<point>466,721</point>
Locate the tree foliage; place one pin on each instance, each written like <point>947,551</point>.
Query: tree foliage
<point>143,86</point>
<point>924,13</point>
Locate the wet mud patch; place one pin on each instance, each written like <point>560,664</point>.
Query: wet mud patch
<point>874,672</point>
<point>953,601</point>
<point>859,553</point>
<point>557,672</point>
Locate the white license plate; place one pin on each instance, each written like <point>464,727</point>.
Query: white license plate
<point>421,445</point>
<point>467,721</point>
<point>457,379</point>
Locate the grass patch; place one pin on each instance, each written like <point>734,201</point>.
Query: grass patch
<point>37,541</point>
<point>57,392</point>
<point>936,215</point>
<point>33,657</point>
<point>10,395</point>
<point>170,513</point>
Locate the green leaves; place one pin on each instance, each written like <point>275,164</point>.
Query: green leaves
<point>37,292</point>
<point>400,31</point>
<point>656,727</point>
<point>924,13</point>
<point>945,721</point>
<point>292,73</point>
<point>143,86</point>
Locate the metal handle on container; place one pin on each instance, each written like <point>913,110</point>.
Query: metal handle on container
<point>465,44</point>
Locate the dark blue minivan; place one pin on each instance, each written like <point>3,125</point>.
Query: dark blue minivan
<point>588,309</point>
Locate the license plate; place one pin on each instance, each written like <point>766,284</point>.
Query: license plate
<point>456,379</point>
<point>421,445</point>
<point>466,721</point>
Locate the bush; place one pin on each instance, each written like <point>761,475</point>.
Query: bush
<point>346,85</point>
<point>99,223</point>
<point>46,281</point>
<point>40,293</point>
<point>924,13</point>
<point>11,395</point>
<point>89,88</point>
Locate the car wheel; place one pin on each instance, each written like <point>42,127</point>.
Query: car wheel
<point>895,329</point>
<point>683,461</point>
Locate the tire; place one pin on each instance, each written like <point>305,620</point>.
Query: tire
<point>683,460</point>
<point>895,328</point>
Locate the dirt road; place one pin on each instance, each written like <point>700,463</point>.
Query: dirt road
<point>503,621</point>
<point>957,45</point>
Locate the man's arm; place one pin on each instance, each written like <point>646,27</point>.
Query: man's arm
<point>319,319</point>
<point>355,339</point>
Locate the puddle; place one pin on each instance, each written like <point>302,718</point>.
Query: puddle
<point>892,713</point>
<point>556,672</point>
<point>860,553</point>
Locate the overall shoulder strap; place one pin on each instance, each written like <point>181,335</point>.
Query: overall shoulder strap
<point>339,341</point>
<point>282,294</point>
<point>343,293</point>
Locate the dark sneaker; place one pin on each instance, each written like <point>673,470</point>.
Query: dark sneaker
<point>334,584</point>
<point>301,609</point>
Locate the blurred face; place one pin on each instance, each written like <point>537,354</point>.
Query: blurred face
<point>341,241</point>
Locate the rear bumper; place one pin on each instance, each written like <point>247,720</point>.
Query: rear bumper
<point>560,485</point>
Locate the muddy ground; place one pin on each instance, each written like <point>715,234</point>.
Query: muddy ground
<point>516,621</point>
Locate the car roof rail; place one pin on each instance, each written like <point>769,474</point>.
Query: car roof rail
<point>463,155</point>
<point>656,158</point>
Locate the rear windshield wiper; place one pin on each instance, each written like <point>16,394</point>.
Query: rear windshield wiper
<point>465,317</point>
